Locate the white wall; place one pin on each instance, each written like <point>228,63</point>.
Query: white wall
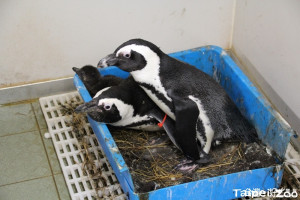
<point>41,40</point>
<point>266,38</point>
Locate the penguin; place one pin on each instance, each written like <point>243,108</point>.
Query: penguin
<point>127,106</point>
<point>92,79</point>
<point>203,112</point>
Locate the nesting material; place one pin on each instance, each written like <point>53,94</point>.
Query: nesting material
<point>77,121</point>
<point>152,166</point>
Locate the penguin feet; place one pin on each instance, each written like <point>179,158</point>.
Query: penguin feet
<point>187,166</point>
<point>163,139</point>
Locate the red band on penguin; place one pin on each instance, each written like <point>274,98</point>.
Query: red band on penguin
<point>162,122</point>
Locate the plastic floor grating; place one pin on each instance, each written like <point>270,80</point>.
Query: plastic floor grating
<point>70,153</point>
<point>293,165</point>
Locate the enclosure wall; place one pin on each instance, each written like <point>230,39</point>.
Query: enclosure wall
<point>43,40</point>
<point>266,40</point>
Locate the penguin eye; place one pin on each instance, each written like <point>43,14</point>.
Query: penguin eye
<point>107,107</point>
<point>127,55</point>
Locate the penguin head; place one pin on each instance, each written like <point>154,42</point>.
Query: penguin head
<point>87,73</point>
<point>132,55</point>
<point>101,110</point>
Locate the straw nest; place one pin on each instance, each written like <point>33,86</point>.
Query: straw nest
<point>152,166</point>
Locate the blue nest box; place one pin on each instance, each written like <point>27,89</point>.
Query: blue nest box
<point>271,128</point>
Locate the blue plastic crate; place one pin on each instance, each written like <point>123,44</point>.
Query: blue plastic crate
<point>271,128</point>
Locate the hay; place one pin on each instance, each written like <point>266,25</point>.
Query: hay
<point>145,165</point>
<point>75,120</point>
<point>152,166</point>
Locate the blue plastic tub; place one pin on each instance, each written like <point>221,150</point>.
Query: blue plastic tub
<point>271,128</point>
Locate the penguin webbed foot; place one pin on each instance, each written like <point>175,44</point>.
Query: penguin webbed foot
<point>189,166</point>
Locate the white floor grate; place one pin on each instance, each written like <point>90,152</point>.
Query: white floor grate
<point>82,184</point>
<point>293,164</point>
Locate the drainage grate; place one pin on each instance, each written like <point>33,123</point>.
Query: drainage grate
<point>82,184</point>
<point>292,167</point>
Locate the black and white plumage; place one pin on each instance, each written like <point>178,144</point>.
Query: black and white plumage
<point>92,79</point>
<point>131,107</point>
<point>126,105</point>
<point>203,111</point>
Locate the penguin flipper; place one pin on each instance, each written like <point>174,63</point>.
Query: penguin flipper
<point>186,113</point>
<point>168,125</point>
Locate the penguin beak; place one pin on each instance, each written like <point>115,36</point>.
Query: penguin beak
<point>81,109</point>
<point>107,61</point>
<point>86,107</point>
<point>75,69</point>
<point>89,107</point>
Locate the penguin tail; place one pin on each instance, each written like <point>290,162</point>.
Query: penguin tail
<point>247,135</point>
<point>241,128</point>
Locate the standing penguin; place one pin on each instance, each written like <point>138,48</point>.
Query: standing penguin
<point>92,79</point>
<point>203,111</point>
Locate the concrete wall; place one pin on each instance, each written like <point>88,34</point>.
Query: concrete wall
<point>266,39</point>
<point>42,40</point>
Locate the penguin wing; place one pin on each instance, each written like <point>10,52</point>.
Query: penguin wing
<point>168,124</point>
<point>186,113</point>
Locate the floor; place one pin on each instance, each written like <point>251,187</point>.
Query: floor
<point>29,167</point>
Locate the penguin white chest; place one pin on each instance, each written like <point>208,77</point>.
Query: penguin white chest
<point>159,103</point>
<point>150,76</point>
